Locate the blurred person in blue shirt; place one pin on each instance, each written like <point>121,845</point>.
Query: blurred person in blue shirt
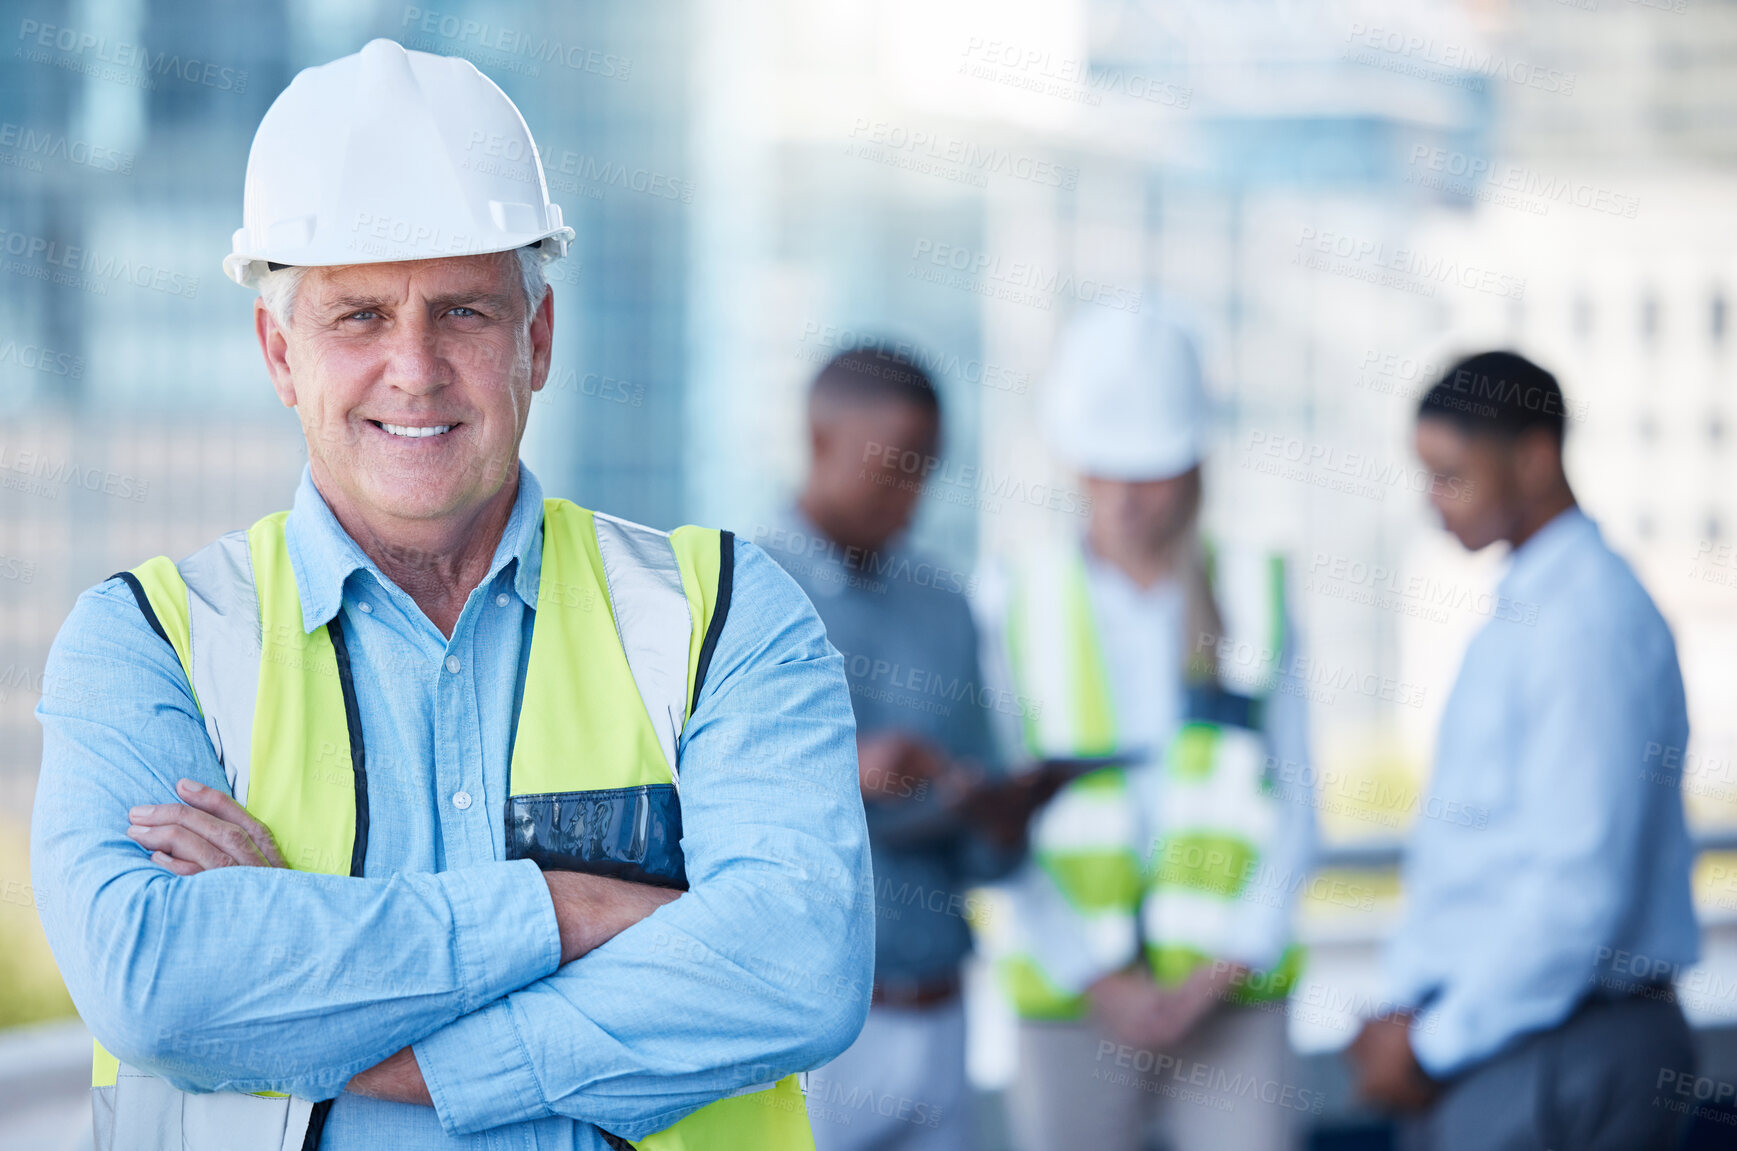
<point>910,649</point>
<point>1548,907</point>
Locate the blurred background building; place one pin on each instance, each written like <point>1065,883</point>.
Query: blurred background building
<point>1343,195</point>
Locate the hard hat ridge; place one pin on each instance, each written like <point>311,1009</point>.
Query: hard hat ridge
<point>390,154</point>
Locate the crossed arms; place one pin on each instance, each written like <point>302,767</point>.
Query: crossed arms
<point>209,830</point>
<point>257,978</point>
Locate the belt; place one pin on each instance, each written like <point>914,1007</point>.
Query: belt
<point>930,992</point>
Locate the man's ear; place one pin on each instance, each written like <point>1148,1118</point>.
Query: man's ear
<point>821,437</point>
<point>542,340</point>
<point>274,345</point>
<point>1537,462</point>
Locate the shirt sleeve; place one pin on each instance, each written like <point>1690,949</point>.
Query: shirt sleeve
<point>1580,741</point>
<point>763,967</point>
<point>243,978</point>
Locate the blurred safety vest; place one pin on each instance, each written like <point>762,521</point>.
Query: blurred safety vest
<point>1157,857</point>
<point>627,619</point>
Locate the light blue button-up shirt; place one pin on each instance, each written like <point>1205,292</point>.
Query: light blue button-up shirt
<point>1550,859</point>
<point>254,979</point>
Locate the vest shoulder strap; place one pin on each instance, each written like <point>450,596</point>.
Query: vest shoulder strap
<point>668,593</point>
<point>1053,645</point>
<point>708,560</point>
<point>161,595</point>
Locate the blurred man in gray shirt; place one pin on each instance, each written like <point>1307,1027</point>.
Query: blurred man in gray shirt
<point>923,741</point>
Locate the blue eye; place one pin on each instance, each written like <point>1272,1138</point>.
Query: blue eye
<point>465,310</point>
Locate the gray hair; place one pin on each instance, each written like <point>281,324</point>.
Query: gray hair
<point>278,287</point>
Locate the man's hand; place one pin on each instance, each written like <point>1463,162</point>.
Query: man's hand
<point>1127,1004</point>
<point>1141,1014</point>
<point>1185,1006</point>
<point>591,909</point>
<point>208,829</point>
<point>1002,809</point>
<point>897,765</point>
<point>1388,1074</point>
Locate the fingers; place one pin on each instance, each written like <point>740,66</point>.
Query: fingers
<point>214,801</point>
<point>175,840</point>
<point>174,828</point>
<point>179,867</point>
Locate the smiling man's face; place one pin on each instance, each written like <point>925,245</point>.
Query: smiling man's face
<point>413,382</point>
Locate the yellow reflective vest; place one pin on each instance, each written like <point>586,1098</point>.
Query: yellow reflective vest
<point>627,618</point>
<point>1111,880</point>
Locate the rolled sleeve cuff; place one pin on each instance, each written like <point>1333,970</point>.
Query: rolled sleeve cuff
<point>504,929</point>
<point>478,1072</point>
<point>1260,939</point>
<point>1436,1044</point>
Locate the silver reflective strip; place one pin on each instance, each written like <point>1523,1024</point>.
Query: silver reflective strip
<point>223,622</point>
<point>145,1113</point>
<point>102,1118</point>
<point>295,1123</point>
<point>1048,672</point>
<point>652,620</point>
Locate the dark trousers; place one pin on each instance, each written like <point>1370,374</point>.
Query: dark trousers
<point>1603,1081</point>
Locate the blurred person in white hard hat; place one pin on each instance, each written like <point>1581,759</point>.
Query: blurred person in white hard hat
<point>433,807</point>
<point>1150,952</point>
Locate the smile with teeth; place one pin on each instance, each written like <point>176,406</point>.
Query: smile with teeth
<point>413,433</point>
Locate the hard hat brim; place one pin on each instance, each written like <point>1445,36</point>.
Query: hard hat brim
<point>247,268</point>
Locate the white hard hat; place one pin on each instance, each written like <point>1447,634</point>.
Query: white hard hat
<point>391,155</point>
<point>1124,398</point>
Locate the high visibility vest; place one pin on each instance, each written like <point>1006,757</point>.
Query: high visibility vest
<point>627,619</point>
<point>1117,881</point>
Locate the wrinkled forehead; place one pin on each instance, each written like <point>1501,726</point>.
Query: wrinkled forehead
<point>495,274</point>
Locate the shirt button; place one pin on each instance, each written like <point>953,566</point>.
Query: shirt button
<point>452,664</point>
<point>365,606</point>
<point>461,800</point>
<point>501,600</point>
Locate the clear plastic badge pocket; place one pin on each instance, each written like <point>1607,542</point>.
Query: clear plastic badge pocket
<point>631,833</point>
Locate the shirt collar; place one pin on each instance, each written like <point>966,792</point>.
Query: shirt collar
<point>324,556</point>
<point>1530,567</point>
